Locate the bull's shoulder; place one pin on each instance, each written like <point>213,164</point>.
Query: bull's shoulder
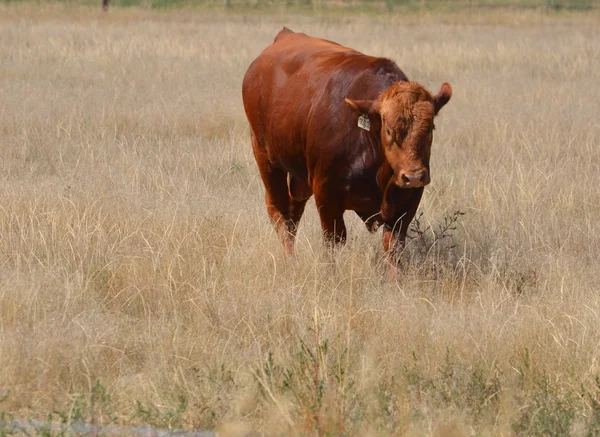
<point>386,68</point>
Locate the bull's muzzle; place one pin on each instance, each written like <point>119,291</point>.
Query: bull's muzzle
<point>415,179</point>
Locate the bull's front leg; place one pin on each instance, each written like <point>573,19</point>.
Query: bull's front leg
<point>403,206</point>
<point>394,239</point>
<point>331,212</point>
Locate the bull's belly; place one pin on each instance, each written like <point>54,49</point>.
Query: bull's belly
<point>362,203</point>
<point>361,196</point>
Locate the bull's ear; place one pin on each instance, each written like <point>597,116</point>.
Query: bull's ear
<point>363,106</point>
<point>442,97</point>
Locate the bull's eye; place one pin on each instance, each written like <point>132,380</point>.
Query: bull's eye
<point>388,132</point>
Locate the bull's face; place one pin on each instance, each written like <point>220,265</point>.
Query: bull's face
<point>407,111</point>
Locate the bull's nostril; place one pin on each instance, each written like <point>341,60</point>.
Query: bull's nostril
<point>405,179</point>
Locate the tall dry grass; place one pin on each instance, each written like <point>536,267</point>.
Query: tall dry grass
<point>141,282</point>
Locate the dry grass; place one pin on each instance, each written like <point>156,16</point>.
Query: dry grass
<point>140,280</point>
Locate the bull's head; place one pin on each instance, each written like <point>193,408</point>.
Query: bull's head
<point>406,110</point>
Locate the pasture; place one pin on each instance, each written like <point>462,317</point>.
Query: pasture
<point>142,283</point>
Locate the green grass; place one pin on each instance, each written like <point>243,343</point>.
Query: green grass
<point>318,381</point>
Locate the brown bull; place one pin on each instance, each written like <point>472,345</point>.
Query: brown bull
<point>349,128</point>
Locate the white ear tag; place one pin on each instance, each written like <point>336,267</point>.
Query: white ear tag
<point>364,122</point>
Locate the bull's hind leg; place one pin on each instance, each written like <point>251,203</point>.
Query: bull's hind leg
<point>276,196</point>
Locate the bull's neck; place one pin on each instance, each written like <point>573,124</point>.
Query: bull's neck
<point>384,173</point>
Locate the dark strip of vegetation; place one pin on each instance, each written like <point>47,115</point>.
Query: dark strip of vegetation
<point>347,5</point>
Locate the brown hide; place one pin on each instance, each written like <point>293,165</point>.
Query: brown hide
<point>303,97</point>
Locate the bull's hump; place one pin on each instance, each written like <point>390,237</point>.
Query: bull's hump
<point>287,40</point>
<point>283,32</point>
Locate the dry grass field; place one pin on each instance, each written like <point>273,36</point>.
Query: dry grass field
<point>141,282</point>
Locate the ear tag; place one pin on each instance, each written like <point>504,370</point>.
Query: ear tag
<point>364,122</point>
